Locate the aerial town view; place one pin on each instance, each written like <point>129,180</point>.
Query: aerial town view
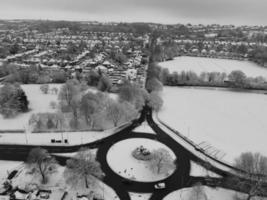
<point>133,100</point>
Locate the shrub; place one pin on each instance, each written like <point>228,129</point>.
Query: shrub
<point>142,153</point>
<point>44,88</point>
<point>53,104</point>
<point>59,77</point>
<point>43,79</point>
<point>50,124</point>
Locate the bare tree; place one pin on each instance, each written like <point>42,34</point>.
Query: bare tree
<point>155,101</point>
<point>161,161</point>
<point>74,106</point>
<point>133,94</point>
<point>89,105</point>
<point>197,193</point>
<point>69,91</point>
<point>53,105</point>
<point>256,167</point>
<point>153,84</point>
<point>82,166</point>
<point>115,112</point>
<point>42,162</point>
<point>44,88</point>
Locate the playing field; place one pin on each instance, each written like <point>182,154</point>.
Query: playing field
<point>233,122</point>
<point>199,64</point>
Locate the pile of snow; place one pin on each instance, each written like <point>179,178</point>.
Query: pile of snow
<point>144,128</point>
<point>199,65</point>
<point>218,117</point>
<point>132,168</point>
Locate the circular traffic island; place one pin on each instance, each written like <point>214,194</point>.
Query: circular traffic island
<point>141,160</point>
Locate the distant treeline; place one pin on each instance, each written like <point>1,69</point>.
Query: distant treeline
<point>236,79</point>
<point>31,75</point>
<point>75,27</point>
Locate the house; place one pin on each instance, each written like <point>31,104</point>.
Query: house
<point>101,68</point>
<point>131,74</point>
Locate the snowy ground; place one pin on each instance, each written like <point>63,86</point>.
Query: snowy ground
<point>199,64</point>
<point>209,194</point>
<point>6,167</point>
<point>144,128</point>
<point>73,138</point>
<point>140,196</point>
<point>132,168</point>
<point>230,121</point>
<point>198,170</point>
<point>39,102</point>
<point>58,183</point>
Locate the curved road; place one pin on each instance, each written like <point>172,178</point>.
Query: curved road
<point>179,179</point>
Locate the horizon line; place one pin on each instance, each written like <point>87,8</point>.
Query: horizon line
<point>145,22</point>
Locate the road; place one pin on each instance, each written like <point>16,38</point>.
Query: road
<point>179,179</point>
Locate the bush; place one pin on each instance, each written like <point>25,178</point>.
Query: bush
<point>142,153</point>
<point>53,104</point>
<point>54,90</point>
<point>59,77</point>
<point>44,88</point>
<point>50,124</point>
<point>8,112</point>
<point>43,79</point>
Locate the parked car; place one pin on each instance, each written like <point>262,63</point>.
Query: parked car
<point>160,186</point>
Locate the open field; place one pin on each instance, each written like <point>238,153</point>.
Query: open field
<point>199,64</point>
<point>233,122</point>
<point>38,102</point>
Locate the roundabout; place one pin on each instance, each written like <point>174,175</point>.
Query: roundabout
<point>122,161</point>
<point>123,158</point>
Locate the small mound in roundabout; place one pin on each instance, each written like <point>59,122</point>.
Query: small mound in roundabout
<point>122,160</point>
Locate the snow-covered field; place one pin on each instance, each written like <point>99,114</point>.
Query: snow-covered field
<point>199,64</point>
<point>132,168</point>
<point>197,170</point>
<point>206,193</point>
<point>58,183</point>
<point>233,122</point>
<point>6,167</point>
<point>38,102</point>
